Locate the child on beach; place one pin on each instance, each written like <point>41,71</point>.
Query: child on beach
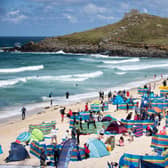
<point>53,135</point>
<point>121,141</point>
<point>87,151</point>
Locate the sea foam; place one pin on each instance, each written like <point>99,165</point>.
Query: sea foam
<point>22,69</point>
<point>122,61</point>
<point>64,78</point>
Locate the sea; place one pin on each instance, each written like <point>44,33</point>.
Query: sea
<point>27,79</point>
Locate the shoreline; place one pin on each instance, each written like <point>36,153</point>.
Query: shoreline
<point>43,106</point>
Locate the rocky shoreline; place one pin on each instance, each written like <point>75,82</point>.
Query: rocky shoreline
<point>111,50</point>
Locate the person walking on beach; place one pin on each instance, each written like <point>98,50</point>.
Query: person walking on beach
<point>67,95</point>
<point>53,135</point>
<point>62,111</point>
<point>23,112</point>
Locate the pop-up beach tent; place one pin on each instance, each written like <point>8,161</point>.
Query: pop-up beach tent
<point>116,127</point>
<point>37,135</point>
<point>17,153</point>
<point>97,148</point>
<point>108,118</point>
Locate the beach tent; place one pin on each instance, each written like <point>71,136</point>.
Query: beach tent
<point>44,127</point>
<point>118,100</point>
<point>77,154</point>
<point>37,135</point>
<point>97,148</point>
<point>65,154</point>
<point>116,127</point>
<point>159,141</point>
<point>108,118</point>
<point>24,136</point>
<point>1,149</point>
<point>17,153</point>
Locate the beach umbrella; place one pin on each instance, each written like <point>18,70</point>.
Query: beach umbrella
<point>24,136</point>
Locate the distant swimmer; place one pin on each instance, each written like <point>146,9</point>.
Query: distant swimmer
<point>23,110</point>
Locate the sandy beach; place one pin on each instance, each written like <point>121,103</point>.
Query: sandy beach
<point>12,128</point>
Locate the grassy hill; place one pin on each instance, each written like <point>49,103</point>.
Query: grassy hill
<point>135,30</point>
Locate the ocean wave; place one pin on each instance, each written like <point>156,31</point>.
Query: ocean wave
<point>120,73</point>
<point>141,67</point>
<point>133,67</point>
<point>99,56</point>
<point>89,60</point>
<point>122,61</point>
<point>22,69</point>
<point>64,78</point>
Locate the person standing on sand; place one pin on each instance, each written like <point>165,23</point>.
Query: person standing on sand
<point>67,95</point>
<point>23,112</point>
<point>62,111</point>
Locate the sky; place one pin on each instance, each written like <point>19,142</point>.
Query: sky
<point>59,17</point>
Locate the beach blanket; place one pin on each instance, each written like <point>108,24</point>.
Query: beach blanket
<point>92,129</point>
<point>159,141</point>
<point>131,123</point>
<point>130,160</point>
<point>65,154</point>
<point>44,127</point>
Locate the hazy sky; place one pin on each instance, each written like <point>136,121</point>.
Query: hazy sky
<point>58,17</point>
